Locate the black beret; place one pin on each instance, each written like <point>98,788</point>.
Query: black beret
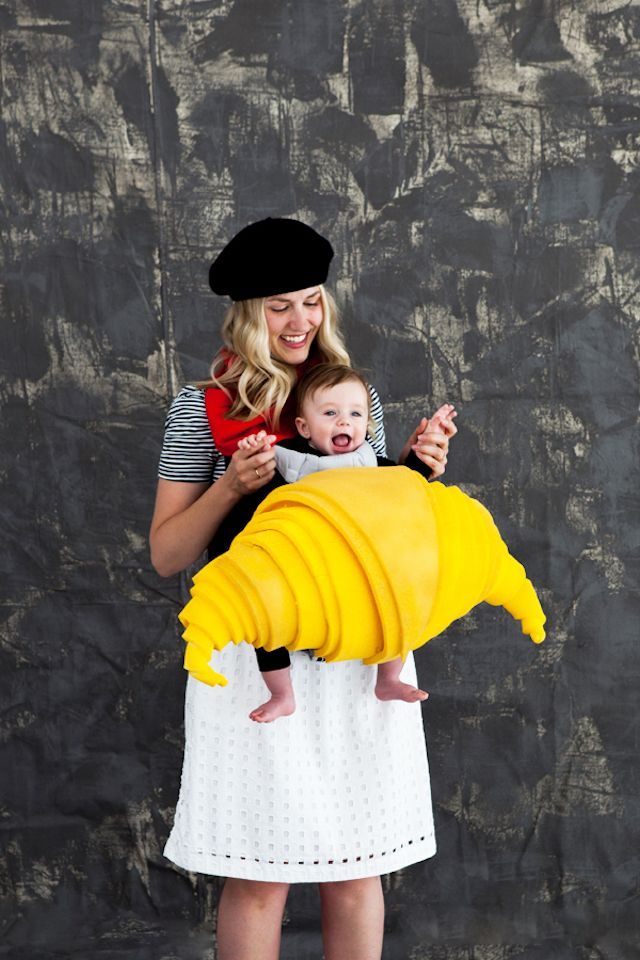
<point>276,255</point>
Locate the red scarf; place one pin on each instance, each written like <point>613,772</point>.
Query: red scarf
<point>226,432</point>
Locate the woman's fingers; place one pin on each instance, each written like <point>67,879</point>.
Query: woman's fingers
<point>432,450</point>
<point>437,465</point>
<point>430,439</point>
<point>432,442</point>
<point>259,461</point>
<point>431,455</point>
<point>418,430</point>
<point>254,466</point>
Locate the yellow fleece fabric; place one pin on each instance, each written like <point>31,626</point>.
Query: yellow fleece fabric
<point>354,564</point>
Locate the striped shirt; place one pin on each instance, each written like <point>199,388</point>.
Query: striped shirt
<point>189,454</point>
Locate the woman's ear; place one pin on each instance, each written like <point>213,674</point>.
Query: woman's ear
<point>303,427</point>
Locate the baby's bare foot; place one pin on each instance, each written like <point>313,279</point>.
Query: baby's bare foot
<point>396,690</point>
<point>280,705</point>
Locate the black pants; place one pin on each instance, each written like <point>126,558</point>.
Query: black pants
<point>275,660</point>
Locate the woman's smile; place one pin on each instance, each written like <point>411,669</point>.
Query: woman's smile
<point>294,340</point>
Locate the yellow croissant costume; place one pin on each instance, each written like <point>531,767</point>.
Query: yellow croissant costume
<point>354,564</point>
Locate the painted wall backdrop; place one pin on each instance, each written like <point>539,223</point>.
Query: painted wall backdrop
<point>475,164</point>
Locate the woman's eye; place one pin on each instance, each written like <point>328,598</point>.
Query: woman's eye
<point>312,304</point>
<point>277,309</point>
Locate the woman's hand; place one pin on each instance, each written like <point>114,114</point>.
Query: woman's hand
<point>253,464</point>
<point>430,439</point>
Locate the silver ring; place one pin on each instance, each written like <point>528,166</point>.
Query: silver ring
<point>258,474</point>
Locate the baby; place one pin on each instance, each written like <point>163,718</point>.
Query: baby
<point>333,405</point>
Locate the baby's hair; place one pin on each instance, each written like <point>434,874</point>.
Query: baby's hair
<point>325,375</point>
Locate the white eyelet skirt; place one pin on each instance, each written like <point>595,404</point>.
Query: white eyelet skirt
<point>338,791</point>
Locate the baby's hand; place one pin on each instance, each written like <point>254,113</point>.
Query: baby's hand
<point>256,440</point>
<point>443,419</point>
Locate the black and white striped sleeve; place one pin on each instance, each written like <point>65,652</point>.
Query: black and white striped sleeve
<point>188,453</point>
<point>379,442</point>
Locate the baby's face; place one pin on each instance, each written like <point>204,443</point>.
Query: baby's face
<point>334,419</point>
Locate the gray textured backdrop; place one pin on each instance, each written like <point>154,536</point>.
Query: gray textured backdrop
<point>475,164</point>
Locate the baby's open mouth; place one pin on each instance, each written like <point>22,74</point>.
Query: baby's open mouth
<point>341,440</point>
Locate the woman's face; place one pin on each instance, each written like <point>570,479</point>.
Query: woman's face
<point>293,320</point>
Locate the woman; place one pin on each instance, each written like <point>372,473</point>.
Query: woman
<point>313,797</point>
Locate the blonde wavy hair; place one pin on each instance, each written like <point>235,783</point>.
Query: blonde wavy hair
<point>257,383</point>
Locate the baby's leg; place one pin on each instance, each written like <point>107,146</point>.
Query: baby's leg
<point>276,673</point>
<point>390,687</point>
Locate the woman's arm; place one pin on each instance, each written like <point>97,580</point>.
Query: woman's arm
<point>187,515</point>
<point>185,518</point>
